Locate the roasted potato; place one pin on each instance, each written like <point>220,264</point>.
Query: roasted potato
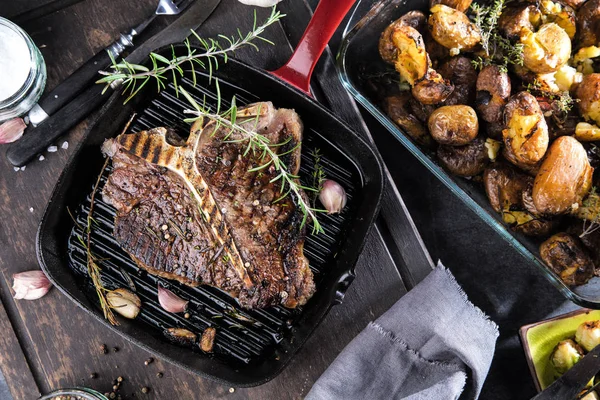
<point>546,50</point>
<point>468,160</point>
<point>493,90</point>
<point>453,125</point>
<point>561,15</point>
<point>460,71</point>
<point>432,89</point>
<point>387,49</point>
<point>526,133</point>
<point>412,62</point>
<point>414,67</point>
<point>565,255</point>
<point>565,177</point>
<point>519,17</point>
<point>526,223</point>
<point>586,59</point>
<point>452,29</point>
<point>504,186</point>
<point>397,109</point>
<point>588,24</point>
<point>585,132</point>
<point>460,5</point>
<point>588,94</point>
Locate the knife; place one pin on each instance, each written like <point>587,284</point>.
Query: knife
<point>39,138</point>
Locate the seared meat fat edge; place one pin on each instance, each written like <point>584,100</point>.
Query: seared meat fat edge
<point>193,211</point>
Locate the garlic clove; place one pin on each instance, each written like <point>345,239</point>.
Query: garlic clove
<point>260,3</point>
<point>12,130</point>
<point>170,301</point>
<point>207,341</point>
<point>124,302</point>
<point>30,285</point>
<point>180,336</point>
<point>333,196</point>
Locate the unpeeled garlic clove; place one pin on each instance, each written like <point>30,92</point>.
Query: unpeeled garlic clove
<point>124,302</point>
<point>30,285</point>
<point>12,130</point>
<point>170,301</point>
<point>333,196</point>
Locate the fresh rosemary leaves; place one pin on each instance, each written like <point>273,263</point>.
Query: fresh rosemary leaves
<point>497,49</point>
<point>134,76</point>
<point>259,144</point>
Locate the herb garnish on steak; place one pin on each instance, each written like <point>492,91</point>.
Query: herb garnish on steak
<point>193,211</point>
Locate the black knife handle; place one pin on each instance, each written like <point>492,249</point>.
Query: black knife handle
<point>75,83</point>
<point>37,139</point>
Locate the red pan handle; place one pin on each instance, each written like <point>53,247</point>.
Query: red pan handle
<point>327,17</point>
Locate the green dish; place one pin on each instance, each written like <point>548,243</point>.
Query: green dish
<point>540,338</point>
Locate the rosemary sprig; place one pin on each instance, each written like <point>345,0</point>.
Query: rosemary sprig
<point>134,76</point>
<point>260,144</point>
<point>498,49</point>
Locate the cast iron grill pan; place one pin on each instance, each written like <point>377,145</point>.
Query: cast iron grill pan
<point>251,346</point>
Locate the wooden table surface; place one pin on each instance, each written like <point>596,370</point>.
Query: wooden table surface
<point>50,343</point>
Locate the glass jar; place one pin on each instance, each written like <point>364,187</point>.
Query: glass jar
<point>74,394</point>
<point>22,71</point>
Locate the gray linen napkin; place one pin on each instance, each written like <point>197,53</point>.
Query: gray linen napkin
<point>433,344</point>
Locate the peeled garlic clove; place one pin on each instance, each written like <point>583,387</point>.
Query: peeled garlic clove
<point>260,3</point>
<point>170,301</point>
<point>208,339</point>
<point>124,302</point>
<point>30,285</point>
<point>12,130</point>
<point>180,336</point>
<point>333,197</point>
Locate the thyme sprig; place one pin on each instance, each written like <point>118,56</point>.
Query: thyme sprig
<point>563,100</point>
<point>134,76</point>
<point>318,174</point>
<point>498,49</point>
<point>259,144</point>
<point>590,213</point>
<point>93,268</point>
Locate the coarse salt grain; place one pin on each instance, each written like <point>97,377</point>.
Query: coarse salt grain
<point>65,145</point>
<point>23,167</point>
<point>52,149</point>
<point>42,158</point>
<point>16,169</point>
<point>30,209</point>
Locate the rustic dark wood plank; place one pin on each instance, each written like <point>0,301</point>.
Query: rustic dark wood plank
<point>60,341</point>
<point>14,363</point>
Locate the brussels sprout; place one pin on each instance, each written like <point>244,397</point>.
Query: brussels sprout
<point>588,335</point>
<point>566,354</point>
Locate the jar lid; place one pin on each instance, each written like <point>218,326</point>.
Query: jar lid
<point>15,59</point>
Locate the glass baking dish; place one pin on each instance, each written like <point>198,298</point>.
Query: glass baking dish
<point>358,59</point>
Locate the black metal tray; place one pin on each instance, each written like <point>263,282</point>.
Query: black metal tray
<point>246,353</point>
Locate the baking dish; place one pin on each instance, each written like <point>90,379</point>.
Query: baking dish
<point>358,60</point>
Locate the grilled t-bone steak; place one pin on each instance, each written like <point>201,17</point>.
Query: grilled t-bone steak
<point>195,212</point>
